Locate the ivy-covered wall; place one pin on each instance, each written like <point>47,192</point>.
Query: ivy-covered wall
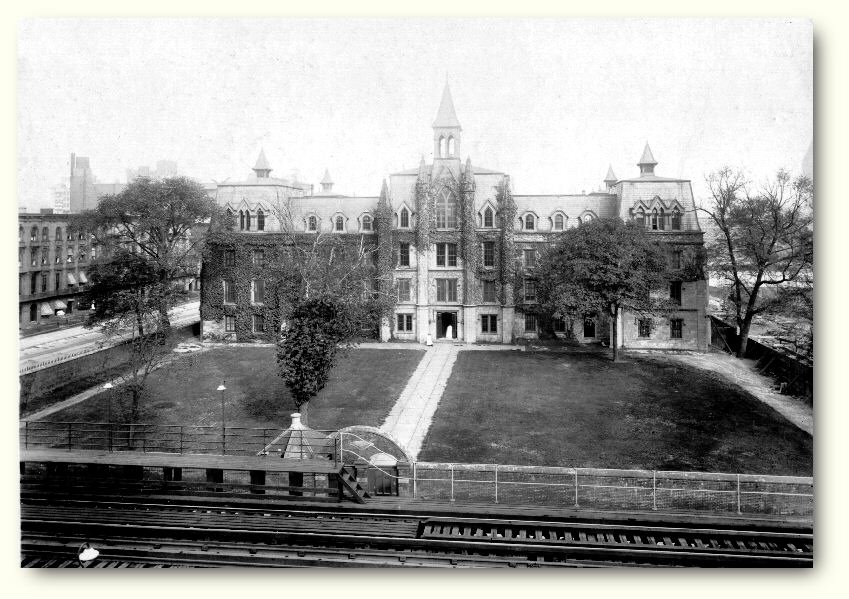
<point>281,283</point>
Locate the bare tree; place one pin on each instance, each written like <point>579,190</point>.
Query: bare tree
<point>765,240</point>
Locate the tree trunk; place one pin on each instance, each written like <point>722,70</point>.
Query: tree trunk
<point>744,336</point>
<point>614,337</point>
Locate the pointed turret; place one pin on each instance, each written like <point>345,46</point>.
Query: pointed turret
<point>446,128</point>
<point>469,175</point>
<point>384,195</point>
<point>647,162</point>
<point>422,166</point>
<point>262,168</point>
<point>326,183</point>
<point>610,179</point>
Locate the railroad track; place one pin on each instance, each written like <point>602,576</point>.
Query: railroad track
<point>206,533</point>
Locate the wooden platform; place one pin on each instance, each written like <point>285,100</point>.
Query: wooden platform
<point>176,460</point>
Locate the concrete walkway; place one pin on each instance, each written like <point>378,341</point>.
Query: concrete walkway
<point>410,418</point>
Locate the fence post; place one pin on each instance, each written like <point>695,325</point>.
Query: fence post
<point>452,482</point>
<point>654,490</point>
<point>576,487</point>
<point>738,495</point>
<point>70,432</point>
<point>414,480</point>
<point>181,439</point>
<point>496,483</point>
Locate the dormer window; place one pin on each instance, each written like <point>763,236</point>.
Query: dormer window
<point>405,218</point>
<point>676,220</point>
<point>260,220</point>
<point>241,220</point>
<point>654,219</point>
<point>247,220</point>
<point>488,218</point>
<point>530,223</point>
<point>340,223</point>
<point>558,222</point>
<point>312,224</point>
<point>367,223</point>
<point>661,223</point>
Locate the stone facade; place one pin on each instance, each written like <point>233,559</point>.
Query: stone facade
<point>465,245</point>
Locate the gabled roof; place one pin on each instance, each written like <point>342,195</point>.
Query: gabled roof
<point>262,162</point>
<point>647,157</point>
<point>446,116</point>
<point>610,176</point>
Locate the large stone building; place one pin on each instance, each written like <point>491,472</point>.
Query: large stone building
<point>464,247</point>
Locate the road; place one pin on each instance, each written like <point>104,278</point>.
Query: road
<point>40,351</point>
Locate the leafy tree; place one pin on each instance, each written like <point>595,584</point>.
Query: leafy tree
<point>161,221</point>
<point>764,240</point>
<point>604,266</point>
<point>148,236</point>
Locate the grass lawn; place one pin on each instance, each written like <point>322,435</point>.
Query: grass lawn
<point>551,409</point>
<point>363,387</point>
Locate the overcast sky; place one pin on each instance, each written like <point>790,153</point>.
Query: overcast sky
<point>551,102</point>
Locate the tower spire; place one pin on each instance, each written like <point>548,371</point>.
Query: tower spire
<point>446,128</point>
<point>262,168</point>
<point>647,162</point>
<point>610,179</point>
<point>326,183</point>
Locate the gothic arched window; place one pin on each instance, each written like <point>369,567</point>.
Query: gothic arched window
<point>260,220</point>
<point>340,223</point>
<point>530,225</point>
<point>641,217</point>
<point>312,223</point>
<point>654,224</point>
<point>405,218</point>
<point>676,220</point>
<point>451,146</point>
<point>558,222</point>
<point>446,210</point>
<point>241,220</point>
<point>442,149</point>
<point>661,221</point>
<point>247,220</point>
<point>488,217</point>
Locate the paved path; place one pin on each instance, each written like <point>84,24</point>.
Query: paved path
<point>47,349</point>
<point>410,418</point>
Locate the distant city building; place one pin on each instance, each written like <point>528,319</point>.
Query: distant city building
<point>61,198</point>
<point>163,170</point>
<point>85,191</point>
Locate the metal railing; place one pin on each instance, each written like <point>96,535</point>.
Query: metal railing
<point>161,438</point>
<point>583,488</point>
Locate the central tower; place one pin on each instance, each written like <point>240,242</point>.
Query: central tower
<point>446,129</point>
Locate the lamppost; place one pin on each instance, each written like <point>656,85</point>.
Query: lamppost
<point>108,388</point>
<point>222,389</point>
